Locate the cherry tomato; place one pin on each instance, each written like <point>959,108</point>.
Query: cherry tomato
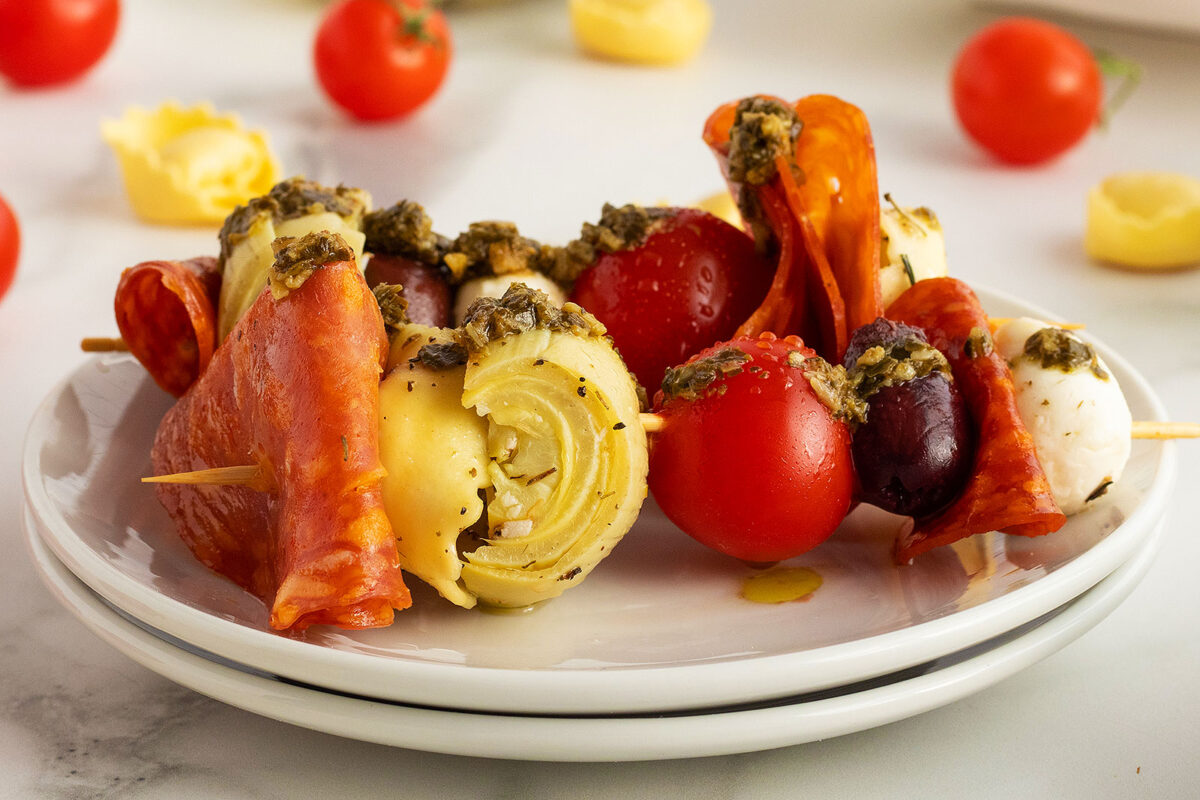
<point>10,246</point>
<point>689,284</point>
<point>43,42</point>
<point>755,466</point>
<point>379,59</point>
<point>1026,90</point>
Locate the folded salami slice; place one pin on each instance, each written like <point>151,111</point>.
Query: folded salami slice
<point>816,159</point>
<point>166,312</point>
<point>294,389</point>
<point>1007,490</point>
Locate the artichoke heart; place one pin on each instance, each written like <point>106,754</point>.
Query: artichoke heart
<point>293,208</point>
<point>435,454</point>
<point>567,462</point>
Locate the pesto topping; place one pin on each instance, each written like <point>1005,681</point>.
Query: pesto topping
<point>392,305</point>
<point>491,248</point>
<point>296,259</point>
<point>1055,348</point>
<point>690,380</point>
<point>622,228</point>
<point>522,309</point>
<point>441,355</point>
<point>898,362</point>
<point>978,344</point>
<point>763,128</point>
<point>295,197</point>
<point>404,230</point>
<point>833,388</point>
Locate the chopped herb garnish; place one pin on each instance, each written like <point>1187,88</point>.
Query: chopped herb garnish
<point>441,355</point>
<point>833,388</point>
<point>1055,348</point>
<point>690,380</point>
<point>296,259</point>
<point>978,344</point>
<point>404,230</point>
<point>392,305</point>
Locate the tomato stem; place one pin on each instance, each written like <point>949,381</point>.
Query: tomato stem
<point>1130,75</point>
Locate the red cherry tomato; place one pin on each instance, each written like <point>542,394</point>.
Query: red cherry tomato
<point>10,246</point>
<point>1026,90</point>
<point>756,466</point>
<point>379,59</point>
<point>43,42</point>
<point>691,283</point>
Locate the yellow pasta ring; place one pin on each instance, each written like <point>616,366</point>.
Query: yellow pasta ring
<point>1144,220</point>
<point>641,31</point>
<point>189,165</point>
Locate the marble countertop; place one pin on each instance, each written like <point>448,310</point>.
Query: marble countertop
<point>528,130</point>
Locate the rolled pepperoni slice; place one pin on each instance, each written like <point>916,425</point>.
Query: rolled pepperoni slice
<point>1007,490</point>
<point>816,158</point>
<point>166,312</point>
<point>295,390</point>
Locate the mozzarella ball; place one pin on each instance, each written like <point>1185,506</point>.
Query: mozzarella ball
<point>496,285</point>
<point>1079,421</point>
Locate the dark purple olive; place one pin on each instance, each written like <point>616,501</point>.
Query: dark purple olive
<point>915,451</point>
<point>425,289</point>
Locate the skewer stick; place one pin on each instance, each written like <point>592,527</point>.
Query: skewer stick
<point>254,477</point>
<point>996,322</point>
<point>1153,429</point>
<point>251,476</point>
<point>103,344</point>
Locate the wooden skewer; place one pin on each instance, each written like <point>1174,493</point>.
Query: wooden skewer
<point>254,477</point>
<point>1153,429</point>
<point>103,344</point>
<point>996,322</point>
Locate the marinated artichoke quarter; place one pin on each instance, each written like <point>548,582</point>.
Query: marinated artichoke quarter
<point>514,452</point>
<point>292,208</point>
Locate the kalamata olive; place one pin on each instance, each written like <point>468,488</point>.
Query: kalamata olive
<point>915,451</point>
<point>425,289</point>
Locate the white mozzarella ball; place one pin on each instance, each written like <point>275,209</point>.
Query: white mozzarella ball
<point>916,234</point>
<point>1080,423</point>
<point>495,286</point>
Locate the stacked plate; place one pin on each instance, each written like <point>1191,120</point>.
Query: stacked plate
<point>656,655</point>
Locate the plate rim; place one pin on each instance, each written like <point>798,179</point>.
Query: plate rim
<point>586,739</point>
<point>636,688</point>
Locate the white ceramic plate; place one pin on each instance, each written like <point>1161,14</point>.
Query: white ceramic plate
<point>789,721</point>
<point>659,625</point>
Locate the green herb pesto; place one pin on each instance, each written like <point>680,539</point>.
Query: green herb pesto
<point>832,386</point>
<point>1055,348</point>
<point>404,230</point>
<point>392,305</point>
<point>622,228</point>
<point>490,248</point>
<point>441,355</point>
<point>906,360</point>
<point>522,309</point>
<point>978,344</point>
<point>296,259</point>
<point>295,197</point>
<point>763,128</point>
<point>692,379</point>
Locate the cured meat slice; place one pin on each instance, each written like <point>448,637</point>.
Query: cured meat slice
<point>817,158</point>
<point>295,390</point>
<point>1007,489</point>
<point>166,312</point>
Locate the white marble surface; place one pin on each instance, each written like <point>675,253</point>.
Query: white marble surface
<point>525,129</point>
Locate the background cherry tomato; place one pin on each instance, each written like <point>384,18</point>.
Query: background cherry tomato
<point>691,283</point>
<point>1026,90</point>
<point>10,246</point>
<point>378,59</point>
<point>43,42</point>
<point>759,469</point>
